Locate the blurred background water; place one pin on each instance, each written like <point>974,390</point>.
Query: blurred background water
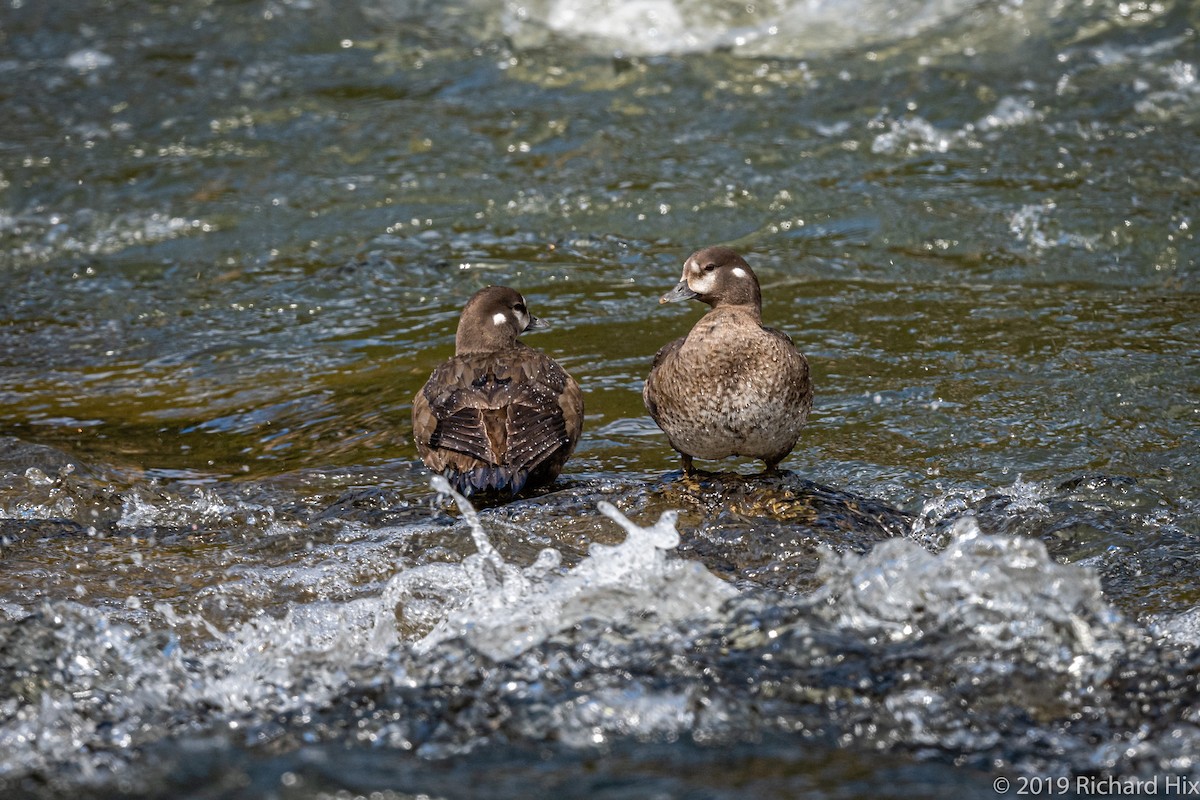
<point>234,241</point>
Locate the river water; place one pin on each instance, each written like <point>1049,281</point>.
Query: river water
<point>234,241</point>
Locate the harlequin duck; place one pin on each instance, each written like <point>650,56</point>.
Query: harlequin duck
<point>499,415</point>
<point>731,387</point>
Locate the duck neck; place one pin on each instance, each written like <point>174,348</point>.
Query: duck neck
<point>483,339</point>
<point>751,310</point>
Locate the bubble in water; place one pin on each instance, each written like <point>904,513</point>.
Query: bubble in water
<point>89,60</point>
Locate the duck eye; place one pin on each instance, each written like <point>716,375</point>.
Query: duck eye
<point>709,267</point>
<point>519,307</point>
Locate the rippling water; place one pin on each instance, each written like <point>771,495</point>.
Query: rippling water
<point>235,238</point>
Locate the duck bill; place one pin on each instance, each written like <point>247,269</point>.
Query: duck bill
<point>536,324</point>
<point>680,292</point>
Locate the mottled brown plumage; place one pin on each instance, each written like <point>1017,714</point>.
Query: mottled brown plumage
<point>731,387</point>
<point>499,415</point>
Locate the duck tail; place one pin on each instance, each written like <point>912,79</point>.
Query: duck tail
<point>492,478</point>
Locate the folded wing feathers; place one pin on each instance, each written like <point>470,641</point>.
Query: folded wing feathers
<point>528,429</point>
<point>464,432</point>
<point>533,435</point>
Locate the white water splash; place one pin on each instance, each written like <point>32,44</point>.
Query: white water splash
<point>1027,498</point>
<point>912,134</point>
<point>1038,227</point>
<point>993,607</point>
<point>503,610</point>
<point>779,27</point>
<point>1005,593</point>
<point>203,508</point>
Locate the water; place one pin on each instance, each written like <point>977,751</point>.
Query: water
<point>235,238</point>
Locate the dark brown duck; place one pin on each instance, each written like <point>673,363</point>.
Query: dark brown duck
<point>731,387</point>
<point>499,415</point>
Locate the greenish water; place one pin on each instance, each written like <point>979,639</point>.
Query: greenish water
<point>234,241</point>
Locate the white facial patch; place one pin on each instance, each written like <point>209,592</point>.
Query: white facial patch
<point>499,319</point>
<point>701,281</point>
<point>741,273</point>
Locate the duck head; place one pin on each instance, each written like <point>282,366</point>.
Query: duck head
<point>717,276</point>
<point>493,319</point>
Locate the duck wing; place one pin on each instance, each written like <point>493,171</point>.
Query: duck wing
<point>650,388</point>
<point>546,417</point>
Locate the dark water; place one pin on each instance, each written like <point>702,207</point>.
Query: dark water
<point>234,240</point>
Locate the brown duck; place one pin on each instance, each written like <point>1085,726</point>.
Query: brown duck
<point>731,387</point>
<point>499,415</point>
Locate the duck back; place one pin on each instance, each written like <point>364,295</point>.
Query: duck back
<point>498,421</point>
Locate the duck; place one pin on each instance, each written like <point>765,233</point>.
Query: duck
<point>731,386</point>
<point>500,415</point>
